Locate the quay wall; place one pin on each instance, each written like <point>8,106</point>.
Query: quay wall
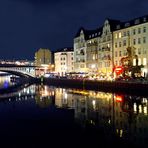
<point>109,86</point>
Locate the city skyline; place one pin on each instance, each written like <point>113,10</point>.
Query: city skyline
<point>27,25</point>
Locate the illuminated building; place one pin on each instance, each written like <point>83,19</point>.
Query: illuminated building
<point>64,59</point>
<point>43,56</point>
<point>93,49</point>
<point>101,50</point>
<point>43,61</point>
<point>133,34</point>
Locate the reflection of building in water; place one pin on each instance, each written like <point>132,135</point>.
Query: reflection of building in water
<point>130,118</point>
<point>93,108</point>
<point>122,115</point>
<point>63,99</point>
<point>44,96</point>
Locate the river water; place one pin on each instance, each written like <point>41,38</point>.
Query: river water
<point>48,116</point>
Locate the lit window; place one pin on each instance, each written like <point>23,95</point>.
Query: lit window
<point>139,61</point>
<point>119,34</point>
<point>116,36</point>
<point>144,61</point>
<point>134,62</point>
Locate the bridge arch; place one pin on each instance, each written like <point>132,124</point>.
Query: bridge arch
<point>22,71</point>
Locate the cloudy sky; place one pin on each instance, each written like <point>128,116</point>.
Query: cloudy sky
<point>27,25</point>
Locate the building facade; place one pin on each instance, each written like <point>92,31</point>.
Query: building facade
<point>100,51</point>
<point>43,61</point>
<point>64,61</point>
<point>43,56</point>
<point>132,34</point>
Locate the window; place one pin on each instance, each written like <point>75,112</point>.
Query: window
<point>137,21</point>
<point>116,36</point>
<point>116,54</point>
<point>127,24</point>
<point>118,27</point>
<point>120,53</point>
<point>116,63</point>
<point>144,29</point>
<point>139,30</point>
<point>134,62</point>
<point>144,19</point>
<point>144,51</point>
<point>139,61</point>
<point>124,53</point>
<point>120,44</point>
<point>119,34</point>
<point>115,45</point>
<point>124,42</point>
<point>124,34</point>
<point>144,61</point>
<point>139,40</point>
<point>134,41</point>
<point>139,51</point>
<point>128,33</point>
<point>144,39</point>
<point>134,31</point>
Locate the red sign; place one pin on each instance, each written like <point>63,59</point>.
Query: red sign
<point>118,70</point>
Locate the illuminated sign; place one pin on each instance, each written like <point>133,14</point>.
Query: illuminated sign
<point>118,70</point>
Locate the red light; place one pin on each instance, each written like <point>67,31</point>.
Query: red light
<point>118,98</point>
<point>118,70</point>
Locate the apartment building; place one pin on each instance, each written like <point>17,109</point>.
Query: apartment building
<point>99,51</point>
<point>134,34</point>
<point>64,61</point>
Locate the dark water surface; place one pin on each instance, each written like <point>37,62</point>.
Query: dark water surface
<point>45,116</point>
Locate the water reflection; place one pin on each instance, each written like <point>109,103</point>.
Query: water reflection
<point>5,81</point>
<point>117,115</point>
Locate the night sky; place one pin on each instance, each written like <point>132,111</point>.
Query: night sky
<point>27,25</point>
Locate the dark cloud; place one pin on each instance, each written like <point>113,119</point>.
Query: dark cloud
<point>27,25</point>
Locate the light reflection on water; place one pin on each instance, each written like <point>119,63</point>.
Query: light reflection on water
<point>119,118</point>
<point>5,81</point>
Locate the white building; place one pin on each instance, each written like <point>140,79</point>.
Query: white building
<point>64,61</point>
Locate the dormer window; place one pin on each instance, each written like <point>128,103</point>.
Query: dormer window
<point>95,34</point>
<point>127,24</point>
<point>144,19</point>
<point>81,32</point>
<point>118,26</point>
<point>137,21</point>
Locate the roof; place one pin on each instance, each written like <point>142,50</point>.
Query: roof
<point>66,49</point>
<point>133,22</point>
<point>88,34</point>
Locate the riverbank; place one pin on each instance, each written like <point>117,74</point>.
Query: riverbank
<point>137,88</point>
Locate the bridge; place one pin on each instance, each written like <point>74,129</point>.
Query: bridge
<point>19,70</point>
